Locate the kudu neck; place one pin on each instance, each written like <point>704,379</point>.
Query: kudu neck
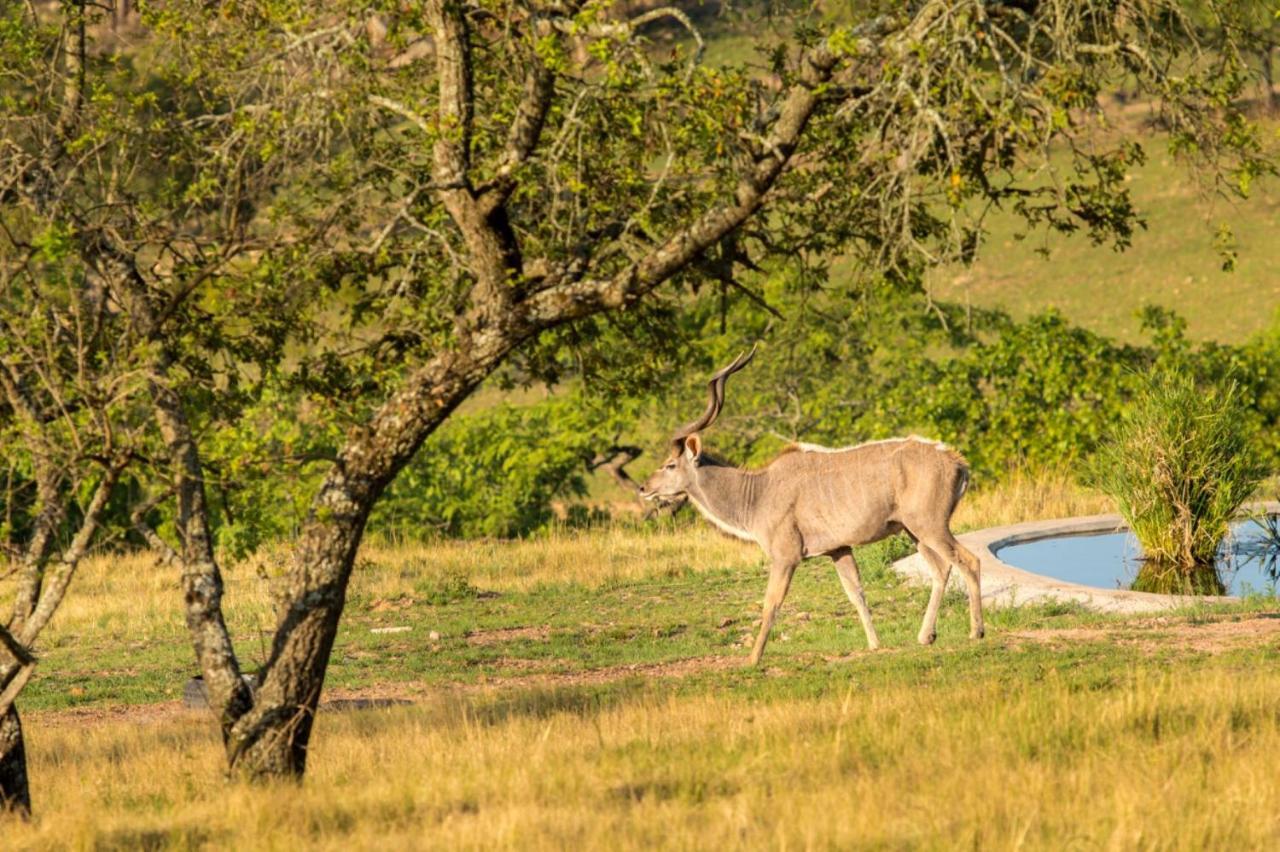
<point>727,494</point>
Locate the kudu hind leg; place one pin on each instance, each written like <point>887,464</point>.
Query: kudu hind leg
<point>847,571</point>
<point>971,570</point>
<point>941,570</point>
<point>942,552</point>
<point>779,581</point>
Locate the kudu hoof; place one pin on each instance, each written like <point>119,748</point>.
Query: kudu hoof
<point>927,638</point>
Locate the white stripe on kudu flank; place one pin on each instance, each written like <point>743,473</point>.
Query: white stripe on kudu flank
<point>818,448</point>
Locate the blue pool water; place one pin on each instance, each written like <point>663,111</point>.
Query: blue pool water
<point>1247,562</point>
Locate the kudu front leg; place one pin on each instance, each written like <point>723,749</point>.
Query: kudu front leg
<point>847,570</point>
<point>779,582</point>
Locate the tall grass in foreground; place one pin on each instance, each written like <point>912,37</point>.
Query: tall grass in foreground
<point>1179,468</point>
<point>1057,763</point>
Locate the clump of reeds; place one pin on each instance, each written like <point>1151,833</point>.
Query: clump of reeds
<point>1178,468</point>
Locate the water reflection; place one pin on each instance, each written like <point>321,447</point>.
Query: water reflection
<point>1249,561</point>
<point>1258,550</point>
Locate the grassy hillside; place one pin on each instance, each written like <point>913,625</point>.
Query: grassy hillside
<point>1172,263</point>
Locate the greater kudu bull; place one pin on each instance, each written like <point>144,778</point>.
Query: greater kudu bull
<point>813,501</point>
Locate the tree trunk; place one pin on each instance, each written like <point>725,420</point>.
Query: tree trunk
<point>48,518</point>
<point>270,740</point>
<point>15,792</point>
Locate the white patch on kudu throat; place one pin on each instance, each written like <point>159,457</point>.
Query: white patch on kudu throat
<point>724,526</point>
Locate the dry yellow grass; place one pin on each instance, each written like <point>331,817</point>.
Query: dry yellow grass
<point>589,557</point>
<point>132,597</point>
<point>1161,762</point>
<point>1027,495</point>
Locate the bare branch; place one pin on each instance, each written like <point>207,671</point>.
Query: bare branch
<point>55,586</point>
<point>15,648</point>
<point>524,133</point>
<point>614,460</point>
<point>137,518</point>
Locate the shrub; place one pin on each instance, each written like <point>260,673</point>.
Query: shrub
<point>494,473</point>
<point>1178,468</point>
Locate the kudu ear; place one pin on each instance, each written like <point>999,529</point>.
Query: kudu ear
<point>693,445</point>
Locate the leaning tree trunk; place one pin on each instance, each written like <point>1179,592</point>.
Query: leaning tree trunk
<point>271,739</point>
<point>15,794</point>
<point>15,791</point>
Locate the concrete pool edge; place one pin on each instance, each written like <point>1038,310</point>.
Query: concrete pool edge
<point>1004,585</point>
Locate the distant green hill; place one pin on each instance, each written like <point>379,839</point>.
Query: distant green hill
<point>1173,263</point>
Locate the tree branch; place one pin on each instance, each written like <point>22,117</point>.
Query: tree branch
<point>577,298</point>
<point>452,148</point>
<point>523,135</point>
<point>55,588</point>
<point>137,518</point>
<point>615,460</point>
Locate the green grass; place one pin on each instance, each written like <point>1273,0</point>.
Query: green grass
<point>1171,263</point>
<point>682,611</point>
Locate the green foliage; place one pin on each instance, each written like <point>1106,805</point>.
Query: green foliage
<point>1041,392</point>
<point>291,229</point>
<point>1179,466</point>
<point>1008,394</point>
<point>263,468</point>
<point>493,473</point>
<point>1038,392</point>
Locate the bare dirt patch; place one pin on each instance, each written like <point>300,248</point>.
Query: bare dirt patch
<point>672,669</point>
<point>1064,636</point>
<point>508,634</point>
<point>1155,634</point>
<point>143,714</point>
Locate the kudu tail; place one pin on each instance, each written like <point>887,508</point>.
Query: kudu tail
<point>961,484</point>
